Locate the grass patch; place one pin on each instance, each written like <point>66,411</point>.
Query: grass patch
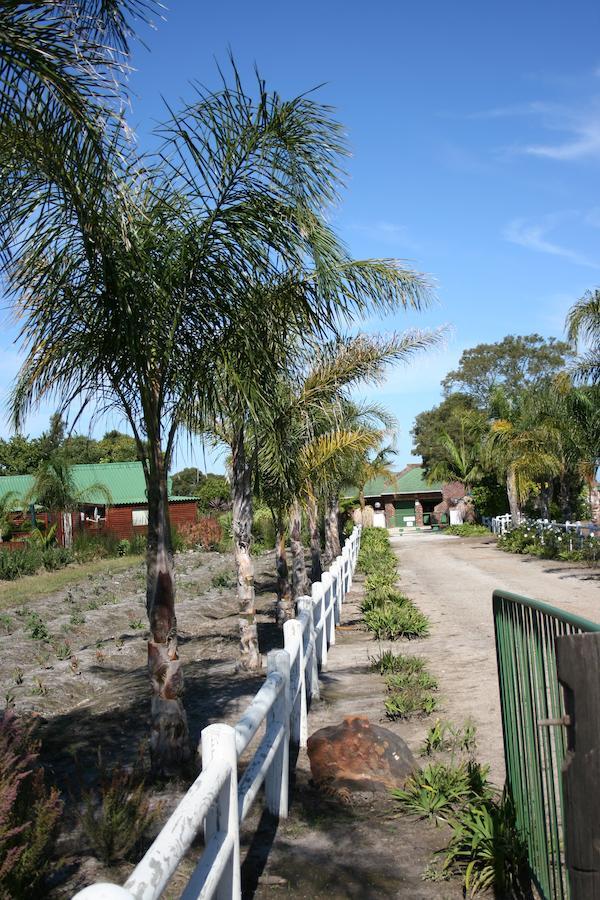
<point>389,663</point>
<point>31,587</point>
<point>395,621</point>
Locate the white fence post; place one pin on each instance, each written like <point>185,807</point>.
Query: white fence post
<point>318,595</point>
<point>328,580</point>
<point>292,642</point>
<point>305,605</point>
<point>277,778</point>
<point>218,742</point>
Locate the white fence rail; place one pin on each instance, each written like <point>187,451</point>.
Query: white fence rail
<point>574,533</point>
<point>217,801</point>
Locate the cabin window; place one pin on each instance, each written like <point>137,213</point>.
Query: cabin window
<point>139,516</point>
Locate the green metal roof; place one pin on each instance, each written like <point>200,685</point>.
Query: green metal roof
<point>124,480</point>
<point>410,481</point>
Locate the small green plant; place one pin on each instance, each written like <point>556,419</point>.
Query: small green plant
<point>444,737</point>
<point>36,627</point>
<point>123,548</point>
<point>137,624</point>
<point>487,850</point>
<point>116,814</point>
<point>39,688</point>
<point>77,617</point>
<point>6,623</point>
<point>119,643</point>
<point>63,650</point>
<point>223,580</point>
<point>18,675</point>
<point>388,663</point>
<point>439,790</point>
<point>395,621</point>
<point>92,604</point>
<point>9,699</point>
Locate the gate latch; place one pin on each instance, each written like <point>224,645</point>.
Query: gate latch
<point>564,720</point>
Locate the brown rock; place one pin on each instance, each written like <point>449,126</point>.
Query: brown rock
<point>359,756</point>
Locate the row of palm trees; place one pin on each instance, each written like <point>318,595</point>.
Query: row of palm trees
<point>196,288</point>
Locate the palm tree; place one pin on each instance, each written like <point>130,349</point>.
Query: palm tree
<point>523,447</point>
<point>305,446</point>
<point>369,467</point>
<point>54,489</point>
<point>583,325</point>
<point>463,457</point>
<point>126,285</point>
<point>9,502</point>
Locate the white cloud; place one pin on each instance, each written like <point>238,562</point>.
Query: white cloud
<point>388,233</point>
<point>533,236</point>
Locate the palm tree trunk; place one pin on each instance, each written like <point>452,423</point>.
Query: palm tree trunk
<point>332,534</point>
<point>250,658</point>
<point>315,540</point>
<point>285,606</point>
<point>299,574</point>
<point>513,497</point>
<point>594,500</point>
<point>169,739</point>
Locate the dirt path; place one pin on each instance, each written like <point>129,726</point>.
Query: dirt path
<point>451,580</point>
<point>327,848</point>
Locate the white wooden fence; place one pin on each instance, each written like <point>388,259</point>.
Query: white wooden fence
<point>217,801</point>
<point>574,532</point>
<point>498,524</point>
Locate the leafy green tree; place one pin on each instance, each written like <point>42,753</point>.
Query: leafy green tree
<point>8,504</point>
<point>583,327</point>
<point>445,418</point>
<point>186,482</point>
<point>513,363</point>
<point>214,494</point>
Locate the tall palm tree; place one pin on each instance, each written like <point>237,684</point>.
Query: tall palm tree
<point>129,281</point>
<point>583,326</point>
<point>525,449</point>
<point>462,460</point>
<point>313,427</point>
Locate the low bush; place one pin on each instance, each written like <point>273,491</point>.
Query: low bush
<point>223,580</point>
<point>116,814</point>
<point>29,814</point>
<point>205,533</point>
<point>263,529</point>
<point>57,558</point>
<point>551,543</point>
<point>388,663</point>
<point>467,530</point>
<point>36,627</point>
<point>443,737</point>
<point>394,621</point>
<point>440,790</point>
<point>16,563</point>
<point>487,850</point>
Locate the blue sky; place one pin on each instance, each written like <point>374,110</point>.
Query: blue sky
<point>475,133</point>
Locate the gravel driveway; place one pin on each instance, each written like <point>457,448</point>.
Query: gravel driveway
<point>451,580</point>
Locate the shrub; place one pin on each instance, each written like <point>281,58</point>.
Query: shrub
<point>394,621</point>
<point>263,528</point>
<point>439,790</point>
<point>16,563</point>
<point>467,530</point>
<point>36,627</point>
<point>223,580</point>
<point>57,558</point>
<point>442,736</point>
<point>29,813</point>
<point>205,533</point>
<point>388,663</point>
<point>116,813</point>
<point>124,547</point>
<point>487,849</point>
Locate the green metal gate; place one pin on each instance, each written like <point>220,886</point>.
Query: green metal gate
<point>534,750</point>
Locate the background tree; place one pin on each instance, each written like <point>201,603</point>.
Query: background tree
<point>513,363</point>
<point>445,418</point>
<point>462,458</point>
<point>583,327</point>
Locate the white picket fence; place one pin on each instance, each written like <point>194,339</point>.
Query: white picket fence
<point>498,524</point>
<point>217,801</point>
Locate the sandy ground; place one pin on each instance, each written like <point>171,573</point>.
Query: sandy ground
<point>451,580</point>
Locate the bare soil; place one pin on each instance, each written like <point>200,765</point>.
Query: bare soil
<point>99,699</point>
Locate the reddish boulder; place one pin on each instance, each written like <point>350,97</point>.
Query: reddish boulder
<point>359,756</point>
